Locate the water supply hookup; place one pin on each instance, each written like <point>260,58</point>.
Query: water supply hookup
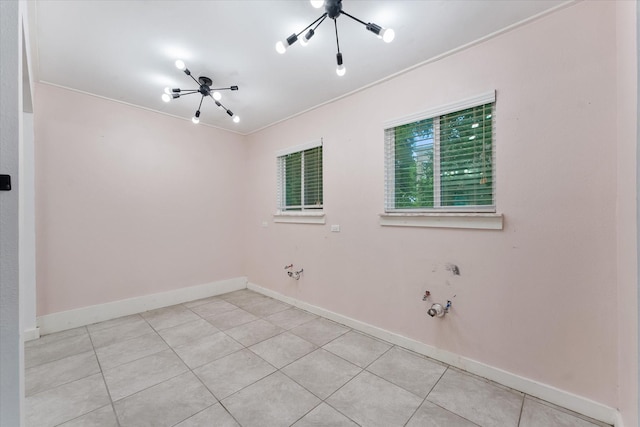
<point>437,309</point>
<point>293,273</point>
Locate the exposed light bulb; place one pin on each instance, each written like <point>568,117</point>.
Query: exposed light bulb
<point>217,96</point>
<point>167,90</point>
<point>195,120</point>
<point>305,39</point>
<point>180,65</point>
<point>281,46</point>
<point>236,119</point>
<point>166,97</point>
<point>388,35</point>
<point>317,3</point>
<point>340,70</point>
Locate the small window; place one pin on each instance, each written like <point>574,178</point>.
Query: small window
<point>300,179</point>
<point>442,163</point>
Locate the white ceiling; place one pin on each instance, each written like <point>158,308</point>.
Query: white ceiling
<point>125,50</point>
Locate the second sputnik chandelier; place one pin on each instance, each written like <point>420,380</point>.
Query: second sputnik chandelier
<point>333,9</point>
<point>204,89</point>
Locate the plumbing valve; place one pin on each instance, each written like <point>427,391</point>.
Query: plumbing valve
<point>436,310</point>
<point>294,274</point>
<point>426,295</point>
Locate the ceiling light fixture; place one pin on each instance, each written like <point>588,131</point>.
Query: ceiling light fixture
<point>204,89</point>
<point>333,9</point>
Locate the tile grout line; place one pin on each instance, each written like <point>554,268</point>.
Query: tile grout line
<point>435,404</point>
<point>524,396</point>
<point>113,406</point>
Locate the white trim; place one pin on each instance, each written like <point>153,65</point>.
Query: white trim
<point>481,221</point>
<point>138,106</point>
<point>299,217</point>
<point>98,313</point>
<point>531,387</point>
<point>31,334</point>
<point>484,98</point>
<point>300,147</point>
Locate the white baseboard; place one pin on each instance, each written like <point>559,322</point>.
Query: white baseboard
<point>528,386</point>
<point>63,320</point>
<point>31,334</point>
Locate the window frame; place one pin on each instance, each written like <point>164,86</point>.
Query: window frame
<point>305,214</point>
<point>482,217</point>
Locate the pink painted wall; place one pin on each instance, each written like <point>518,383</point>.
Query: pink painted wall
<point>538,298</point>
<point>131,202</point>
<point>627,78</point>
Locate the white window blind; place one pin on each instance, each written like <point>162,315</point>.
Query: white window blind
<point>443,162</point>
<point>300,179</point>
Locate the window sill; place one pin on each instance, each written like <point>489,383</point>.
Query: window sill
<point>299,217</point>
<point>479,221</point>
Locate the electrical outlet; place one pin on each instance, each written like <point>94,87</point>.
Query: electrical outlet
<point>335,228</point>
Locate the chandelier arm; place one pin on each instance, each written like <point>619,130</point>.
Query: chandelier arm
<point>324,15</point>
<point>354,18</point>
<point>222,88</point>
<point>323,18</point>
<point>219,104</point>
<point>188,93</point>
<point>194,79</point>
<point>201,99</point>
<point>335,23</point>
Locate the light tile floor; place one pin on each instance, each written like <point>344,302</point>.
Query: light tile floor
<point>243,359</point>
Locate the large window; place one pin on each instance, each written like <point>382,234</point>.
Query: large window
<point>442,162</point>
<point>300,179</point>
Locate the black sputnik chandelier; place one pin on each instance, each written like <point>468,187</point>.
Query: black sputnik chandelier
<point>204,89</point>
<point>333,9</point>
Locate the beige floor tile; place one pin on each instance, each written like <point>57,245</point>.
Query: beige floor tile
<point>207,349</point>
<point>59,348</point>
<point>167,317</point>
<point>254,332</point>
<point>102,417</point>
<point>273,401</point>
<point>66,402</point>
<point>357,348</point>
<point>321,372</point>
<point>61,371</point>
<point>324,415</point>
<point>191,331</point>
<point>319,331</point>
<point>538,414</point>
<point>234,372</point>
<point>136,348</point>
<point>130,378</point>
<point>231,319</point>
<point>282,349</point>
<point>372,401</point>
<point>165,404</point>
<point>408,370</point>
<point>204,418</point>
<point>477,400</point>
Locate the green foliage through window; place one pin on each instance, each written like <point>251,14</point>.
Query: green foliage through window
<point>300,176</point>
<point>442,162</point>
